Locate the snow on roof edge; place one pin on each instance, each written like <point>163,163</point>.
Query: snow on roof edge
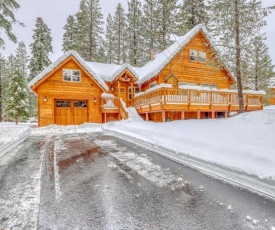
<point>55,64</point>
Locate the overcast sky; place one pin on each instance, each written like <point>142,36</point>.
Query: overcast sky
<point>55,13</point>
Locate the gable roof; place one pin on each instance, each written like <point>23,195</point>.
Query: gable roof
<point>108,72</point>
<point>153,68</point>
<point>59,61</point>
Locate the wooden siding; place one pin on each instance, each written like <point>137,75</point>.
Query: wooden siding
<point>272,96</point>
<point>54,88</point>
<point>193,72</point>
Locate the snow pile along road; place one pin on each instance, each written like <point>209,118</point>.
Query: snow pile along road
<point>240,149</point>
<point>11,135</point>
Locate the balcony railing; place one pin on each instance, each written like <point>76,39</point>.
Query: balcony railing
<point>200,99</point>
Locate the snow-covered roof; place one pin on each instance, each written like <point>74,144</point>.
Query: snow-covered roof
<point>108,72</point>
<point>55,64</point>
<point>103,72</point>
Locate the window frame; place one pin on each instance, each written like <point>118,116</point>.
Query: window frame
<point>152,84</point>
<point>130,94</point>
<point>211,86</point>
<point>199,55</point>
<point>190,55</point>
<point>205,85</point>
<point>71,75</point>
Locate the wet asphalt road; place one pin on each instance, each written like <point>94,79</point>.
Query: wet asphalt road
<point>96,181</point>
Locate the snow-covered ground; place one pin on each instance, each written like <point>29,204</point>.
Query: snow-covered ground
<point>240,149</point>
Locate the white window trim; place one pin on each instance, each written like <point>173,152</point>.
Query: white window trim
<point>71,75</point>
<point>200,52</point>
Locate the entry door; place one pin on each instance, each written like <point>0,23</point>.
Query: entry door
<point>123,94</point>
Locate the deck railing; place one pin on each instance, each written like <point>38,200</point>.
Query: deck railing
<point>165,96</point>
<point>114,105</point>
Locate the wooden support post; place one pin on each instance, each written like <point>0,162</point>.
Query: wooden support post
<point>132,92</point>
<point>226,114</point>
<point>199,115</point>
<point>105,117</point>
<point>163,116</point>
<point>182,115</point>
<point>147,117</point>
<point>213,114</point>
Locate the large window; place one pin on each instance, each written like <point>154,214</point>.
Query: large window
<point>71,75</point>
<point>193,55</point>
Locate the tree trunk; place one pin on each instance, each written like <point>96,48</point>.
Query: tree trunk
<point>238,58</point>
<point>16,119</point>
<point>119,39</point>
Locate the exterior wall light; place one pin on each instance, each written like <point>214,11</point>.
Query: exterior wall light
<point>45,98</point>
<point>95,100</point>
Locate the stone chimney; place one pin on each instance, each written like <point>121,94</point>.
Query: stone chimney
<point>152,55</point>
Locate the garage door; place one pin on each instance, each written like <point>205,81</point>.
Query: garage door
<point>71,112</point>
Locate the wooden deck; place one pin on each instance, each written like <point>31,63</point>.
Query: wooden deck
<point>187,102</point>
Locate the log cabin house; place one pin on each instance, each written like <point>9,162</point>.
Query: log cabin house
<point>177,83</point>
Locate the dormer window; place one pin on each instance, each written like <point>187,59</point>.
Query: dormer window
<point>71,75</point>
<point>202,56</point>
<point>193,55</point>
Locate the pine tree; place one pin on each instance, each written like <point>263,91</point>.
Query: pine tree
<point>40,48</point>
<point>17,102</point>
<point>109,41</point>
<point>166,21</point>
<point>101,55</point>
<point>82,32</point>
<point>95,29</point>
<point>7,19</point>
<point>70,35</point>
<point>119,27</point>
<point>192,13</point>
<point>233,24</point>
<point>22,59</point>
<point>149,27</point>
<point>261,67</point>
<point>134,33</point>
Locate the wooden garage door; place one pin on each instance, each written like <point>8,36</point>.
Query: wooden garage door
<point>71,112</point>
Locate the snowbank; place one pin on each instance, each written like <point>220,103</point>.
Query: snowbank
<point>241,149</point>
<point>11,135</point>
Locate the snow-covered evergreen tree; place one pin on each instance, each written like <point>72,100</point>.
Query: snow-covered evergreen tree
<point>40,48</point>
<point>119,28</point>
<point>260,64</point>
<point>192,13</point>
<point>233,24</point>
<point>134,33</point>
<point>101,55</point>
<point>7,19</point>
<point>70,35</point>
<point>22,59</point>
<point>17,103</point>
<point>109,42</point>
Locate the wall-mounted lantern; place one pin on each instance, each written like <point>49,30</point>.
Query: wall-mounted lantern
<point>95,100</point>
<point>45,98</point>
